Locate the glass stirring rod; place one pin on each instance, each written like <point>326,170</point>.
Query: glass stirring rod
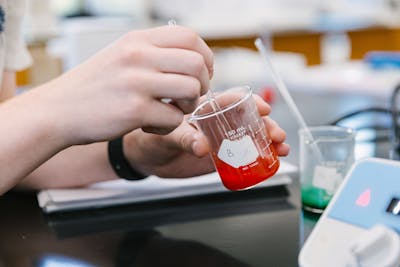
<point>210,93</point>
<point>286,96</point>
<point>213,103</point>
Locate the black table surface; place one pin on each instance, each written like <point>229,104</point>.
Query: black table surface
<point>257,227</point>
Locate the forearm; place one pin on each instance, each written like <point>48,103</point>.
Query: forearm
<point>73,167</point>
<point>28,137</point>
<point>8,85</point>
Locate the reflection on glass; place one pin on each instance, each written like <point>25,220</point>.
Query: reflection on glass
<point>52,260</point>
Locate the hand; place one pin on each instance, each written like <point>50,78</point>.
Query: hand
<point>184,152</point>
<point>121,88</point>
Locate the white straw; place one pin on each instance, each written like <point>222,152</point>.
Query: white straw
<point>285,94</point>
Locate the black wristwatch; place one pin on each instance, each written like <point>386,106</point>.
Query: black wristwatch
<point>119,163</point>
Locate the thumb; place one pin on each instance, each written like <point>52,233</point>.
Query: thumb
<point>191,140</point>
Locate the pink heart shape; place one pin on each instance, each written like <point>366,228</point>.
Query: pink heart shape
<point>364,199</point>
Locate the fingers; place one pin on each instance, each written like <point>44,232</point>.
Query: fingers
<point>263,107</point>
<point>185,62</point>
<point>184,38</point>
<point>174,63</point>
<point>180,61</point>
<point>282,149</point>
<point>191,140</point>
<point>187,106</point>
<point>157,130</point>
<point>276,133</point>
<point>199,145</point>
<point>278,136</point>
<point>161,118</point>
<point>182,89</point>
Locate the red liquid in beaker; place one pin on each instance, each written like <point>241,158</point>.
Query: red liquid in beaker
<point>249,175</point>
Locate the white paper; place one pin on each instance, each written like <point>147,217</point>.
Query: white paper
<point>152,188</point>
<point>326,178</point>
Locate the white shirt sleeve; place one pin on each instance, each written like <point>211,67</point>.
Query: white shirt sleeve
<point>16,55</point>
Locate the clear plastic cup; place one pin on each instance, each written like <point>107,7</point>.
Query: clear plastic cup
<point>241,148</point>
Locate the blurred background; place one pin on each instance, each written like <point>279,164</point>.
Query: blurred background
<point>336,46</point>
<point>338,58</point>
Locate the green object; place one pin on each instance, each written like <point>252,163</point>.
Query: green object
<point>315,197</point>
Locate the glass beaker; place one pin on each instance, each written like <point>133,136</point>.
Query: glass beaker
<point>240,145</point>
<point>324,162</point>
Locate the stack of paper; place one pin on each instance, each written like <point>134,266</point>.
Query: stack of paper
<point>152,188</point>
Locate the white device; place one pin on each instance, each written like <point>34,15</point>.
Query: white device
<point>361,225</point>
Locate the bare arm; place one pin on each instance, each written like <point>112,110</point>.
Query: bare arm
<point>8,85</point>
<point>29,137</point>
<point>182,153</point>
<point>73,167</point>
<point>116,91</point>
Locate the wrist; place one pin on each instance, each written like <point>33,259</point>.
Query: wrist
<point>57,109</point>
<point>120,164</point>
<point>44,116</point>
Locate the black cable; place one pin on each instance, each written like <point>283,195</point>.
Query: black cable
<point>362,111</point>
<point>394,128</point>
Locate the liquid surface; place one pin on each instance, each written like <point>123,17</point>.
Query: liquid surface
<point>249,175</point>
<point>315,197</point>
